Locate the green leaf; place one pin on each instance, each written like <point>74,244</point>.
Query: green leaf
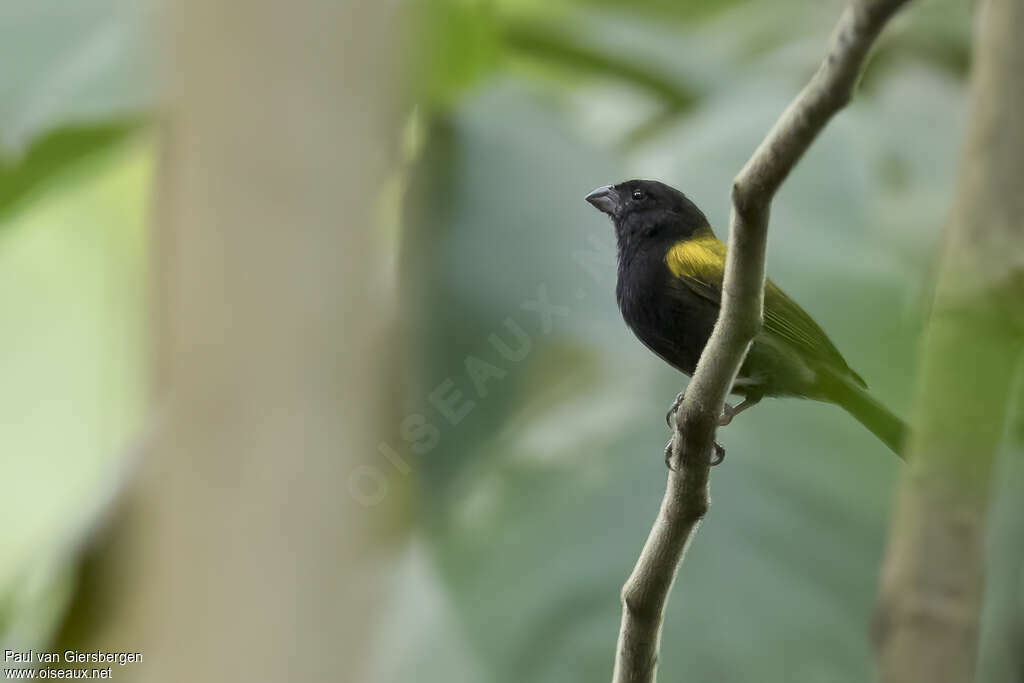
<point>79,76</point>
<point>53,153</point>
<point>73,291</point>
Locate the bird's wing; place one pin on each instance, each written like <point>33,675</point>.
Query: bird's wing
<point>784,318</point>
<point>699,263</point>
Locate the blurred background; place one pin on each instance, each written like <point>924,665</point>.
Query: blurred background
<point>529,423</point>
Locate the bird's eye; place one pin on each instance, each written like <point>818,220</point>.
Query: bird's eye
<point>637,195</point>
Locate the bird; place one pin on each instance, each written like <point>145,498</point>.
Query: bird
<point>669,291</point>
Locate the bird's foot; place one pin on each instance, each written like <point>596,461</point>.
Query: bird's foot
<point>719,457</point>
<point>716,459</point>
<point>670,415</point>
<point>729,412</point>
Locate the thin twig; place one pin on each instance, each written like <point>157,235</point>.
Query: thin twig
<point>686,496</point>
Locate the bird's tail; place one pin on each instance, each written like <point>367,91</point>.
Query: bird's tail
<point>891,430</point>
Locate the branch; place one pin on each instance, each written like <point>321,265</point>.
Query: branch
<point>686,496</point>
<point>927,623</point>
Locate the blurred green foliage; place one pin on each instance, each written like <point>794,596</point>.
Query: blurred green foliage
<point>52,153</point>
<point>73,294</point>
<point>537,502</point>
<point>73,192</point>
<point>79,77</point>
<point>535,505</point>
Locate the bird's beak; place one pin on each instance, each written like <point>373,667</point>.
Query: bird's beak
<point>605,199</point>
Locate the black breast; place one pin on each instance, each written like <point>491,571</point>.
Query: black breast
<point>670,319</point>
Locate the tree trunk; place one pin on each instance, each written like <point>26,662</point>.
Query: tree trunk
<point>258,533</point>
<point>932,580</point>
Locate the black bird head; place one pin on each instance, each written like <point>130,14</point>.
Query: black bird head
<point>644,209</point>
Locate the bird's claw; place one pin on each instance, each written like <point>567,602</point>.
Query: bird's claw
<point>716,459</point>
<point>728,412</point>
<point>675,406</point>
<point>719,457</point>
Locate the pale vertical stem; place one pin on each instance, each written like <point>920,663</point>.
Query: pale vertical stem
<point>257,543</point>
<point>926,627</point>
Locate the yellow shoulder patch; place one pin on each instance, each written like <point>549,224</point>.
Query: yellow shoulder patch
<point>701,257</point>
